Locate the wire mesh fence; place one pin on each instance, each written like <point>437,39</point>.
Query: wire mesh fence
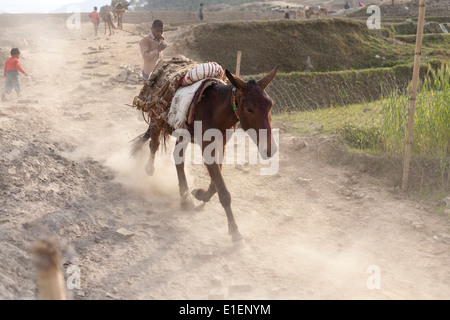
<point>379,103</point>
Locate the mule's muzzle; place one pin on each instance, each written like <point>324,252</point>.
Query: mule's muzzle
<point>267,153</point>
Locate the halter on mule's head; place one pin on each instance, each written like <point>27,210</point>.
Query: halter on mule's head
<point>253,108</point>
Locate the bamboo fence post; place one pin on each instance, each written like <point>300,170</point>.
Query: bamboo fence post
<point>50,279</point>
<point>238,63</point>
<point>412,100</point>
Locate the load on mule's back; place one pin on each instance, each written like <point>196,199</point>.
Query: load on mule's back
<point>221,107</point>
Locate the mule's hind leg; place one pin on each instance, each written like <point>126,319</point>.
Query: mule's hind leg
<point>155,134</point>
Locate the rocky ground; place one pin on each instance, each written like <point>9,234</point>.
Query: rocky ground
<point>312,231</point>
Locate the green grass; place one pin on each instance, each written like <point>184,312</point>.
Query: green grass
<point>331,120</point>
<point>380,127</point>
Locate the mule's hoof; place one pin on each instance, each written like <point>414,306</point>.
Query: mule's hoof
<point>200,194</point>
<point>187,202</point>
<point>239,243</point>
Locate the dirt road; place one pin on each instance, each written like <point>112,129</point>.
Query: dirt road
<point>312,231</point>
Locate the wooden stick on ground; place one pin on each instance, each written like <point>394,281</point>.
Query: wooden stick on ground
<point>412,106</point>
<point>49,276</point>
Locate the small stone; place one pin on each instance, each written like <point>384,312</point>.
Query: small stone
<point>86,116</point>
<point>219,295</point>
<point>313,193</point>
<point>259,198</point>
<point>298,144</point>
<point>304,182</point>
<point>133,78</point>
<point>80,293</point>
<point>240,288</point>
<point>418,225</point>
<point>205,255</point>
<point>28,101</point>
<point>101,74</point>
<point>124,233</point>
<point>217,281</point>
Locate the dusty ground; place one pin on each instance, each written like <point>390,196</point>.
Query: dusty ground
<point>312,231</point>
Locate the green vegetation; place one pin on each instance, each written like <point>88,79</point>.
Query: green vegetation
<point>330,44</point>
<point>380,126</point>
<point>316,90</point>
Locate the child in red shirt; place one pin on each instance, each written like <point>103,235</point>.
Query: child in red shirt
<point>11,73</point>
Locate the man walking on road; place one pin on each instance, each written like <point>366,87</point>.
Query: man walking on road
<point>95,19</point>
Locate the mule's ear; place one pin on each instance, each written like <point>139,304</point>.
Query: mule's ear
<point>264,82</point>
<point>237,82</point>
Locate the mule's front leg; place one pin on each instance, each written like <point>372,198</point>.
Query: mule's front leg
<point>225,200</point>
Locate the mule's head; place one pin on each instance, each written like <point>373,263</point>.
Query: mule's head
<point>254,110</point>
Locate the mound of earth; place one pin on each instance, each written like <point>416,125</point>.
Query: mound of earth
<point>330,44</point>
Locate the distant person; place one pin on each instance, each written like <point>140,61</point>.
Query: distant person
<point>347,5</point>
<point>11,73</point>
<point>286,13</point>
<point>120,9</point>
<point>95,19</point>
<point>361,4</point>
<point>152,47</point>
<point>200,12</point>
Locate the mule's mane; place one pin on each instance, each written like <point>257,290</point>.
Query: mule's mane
<point>252,84</point>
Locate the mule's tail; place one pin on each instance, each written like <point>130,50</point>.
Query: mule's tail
<point>138,142</point>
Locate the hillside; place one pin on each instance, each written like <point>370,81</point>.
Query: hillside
<point>331,45</point>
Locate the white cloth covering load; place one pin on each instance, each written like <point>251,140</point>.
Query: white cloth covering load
<point>181,103</point>
<point>203,71</point>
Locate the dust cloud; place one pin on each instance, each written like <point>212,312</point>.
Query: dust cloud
<point>312,231</point>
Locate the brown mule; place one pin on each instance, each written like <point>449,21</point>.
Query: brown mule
<point>221,108</point>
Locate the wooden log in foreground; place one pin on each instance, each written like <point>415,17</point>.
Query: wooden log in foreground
<point>46,260</point>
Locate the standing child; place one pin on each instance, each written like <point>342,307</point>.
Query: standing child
<point>11,73</point>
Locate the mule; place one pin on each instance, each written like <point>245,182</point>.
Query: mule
<point>221,108</point>
<point>108,16</point>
